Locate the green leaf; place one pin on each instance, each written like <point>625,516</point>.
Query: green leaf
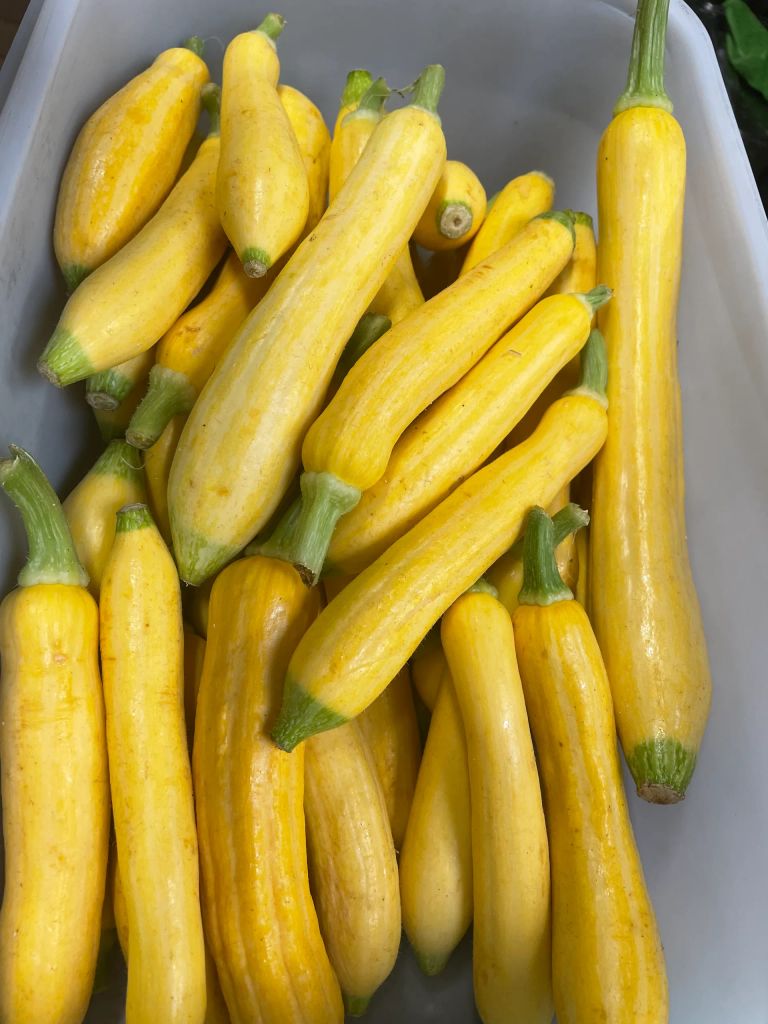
<point>747,45</point>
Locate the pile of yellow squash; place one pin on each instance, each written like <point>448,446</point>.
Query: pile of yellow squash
<point>275,669</point>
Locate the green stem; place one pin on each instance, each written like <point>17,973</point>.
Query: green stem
<point>371,102</point>
<point>52,555</point>
<point>281,543</point>
<point>569,519</point>
<point>580,218</point>
<point>169,394</point>
<point>428,88</point>
<point>195,44</point>
<point>596,298</point>
<point>645,81</point>
<point>482,586</point>
<point>107,389</point>
<point>542,583</point>
<point>593,378</point>
<point>133,517</point>
<point>357,84</point>
<point>453,218</point>
<point>119,459</point>
<point>325,499</point>
<point>370,327</point>
<point>355,1006</point>
<point>562,217</point>
<point>210,97</point>
<point>272,26</point>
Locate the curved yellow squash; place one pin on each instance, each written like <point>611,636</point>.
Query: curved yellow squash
<point>314,143</point>
<point>125,161</point>
<point>262,192</point>
<point>455,212</point>
<point>157,467</point>
<point>352,862</point>
<point>260,921</point>
<point>436,858</point>
<point>518,202</point>
<point>116,479</point>
<point>511,948</point>
<point>580,273</point>
<point>428,674</point>
<point>457,433</point>
<point>241,445</point>
<point>142,663</point>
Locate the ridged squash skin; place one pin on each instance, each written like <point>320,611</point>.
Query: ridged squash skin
<point>314,143</point>
<point>260,920</point>
<point>368,632</point>
<point>349,141</point>
<point>428,352</point>
<point>607,958</point>
<point>520,200</point>
<point>127,305</point>
<point>458,432</point>
<point>644,605</point>
<point>242,443</point>
<point>125,161</point>
<point>436,857</point>
<point>55,796</point>
<point>511,946</point>
<point>352,861</point>
<point>143,669</point>
<point>262,192</point>
<point>455,211</point>
<point>157,462</point>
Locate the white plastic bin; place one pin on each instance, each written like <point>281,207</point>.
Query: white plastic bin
<point>530,84</point>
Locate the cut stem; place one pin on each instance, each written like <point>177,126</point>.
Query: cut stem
<point>596,298</point>
<point>358,82</point>
<point>542,583</point>
<point>645,81</point>
<point>453,218</point>
<point>593,378</point>
<point>52,555</point>
<point>569,519</point>
<point>195,44</point>
<point>210,97</point>
<point>371,102</point>
<point>169,394</point>
<point>325,499</point>
<point>426,95</point>
<point>272,26</point>
<point>107,389</point>
<point>281,543</point>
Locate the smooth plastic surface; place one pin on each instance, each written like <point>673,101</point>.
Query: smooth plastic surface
<point>529,84</point>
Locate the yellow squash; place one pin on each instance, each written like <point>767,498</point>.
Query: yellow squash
<point>126,159</point>
<point>400,294</point>
<point>260,921</point>
<point>352,862</point>
<point>357,84</point>
<point>347,449</point>
<point>107,389</point>
<point>580,273</point>
<point>523,198</point>
<point>607,958</point>
<point>511,948</point>
<point>458,432</point>
<point>436,857</point>
<point>157,467</point>
<point>455,212</point>
<point>116,479</point>
<point>314,144</point>
<point>262,192</point>
<point>241,445</point>
<point>143,668</point>
<point>113,423</point>
<point>363,638</point>
<point>644,606</point>
<point>53,769</point>
<point>429,671</point>
<point>127,305</point>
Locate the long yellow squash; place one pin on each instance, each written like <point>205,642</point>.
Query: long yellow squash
<point>511,948</point>
<point>352,862</point>
<point>142,664</point>
<point>521,199</point>
<point>580,273</point>
<point>314,143</point>
<point>115,479</point>
<point>458,432</point>
<point>455,212</point>
<point>125,161</point>
<point>428,671</point>
<point>54,779</point>
<point>607,959</point>
<point>262,192</point>
<point>157,467</point>
<point>363,638</point>
<point>260,921</point>
<point>127,305</point>
<point>241,445</point>
<point>436,856</point>
<point>347,449</point>
<point>644,605</point>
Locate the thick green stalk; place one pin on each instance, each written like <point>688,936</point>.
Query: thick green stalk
<point>593,378</point>
<point>645,82</point>
<point>195,44</point>
<point>580,218</point>
<point>372,102</point>
<point>428,88</point>
<point>325,499</point>
<point>210,97</point>
<point>133,517</point>
<point>169,394</point>
<point>107,389</point>
<point>52,555</point>
<point>272,26</point>
<point>569,519</point>
<point>596,298</point>
<point>281,543</point>
<point>542,583</point>
<point>357,84</point>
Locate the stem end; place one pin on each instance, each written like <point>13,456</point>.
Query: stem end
<point>325,498</point>
<point>453,219</point>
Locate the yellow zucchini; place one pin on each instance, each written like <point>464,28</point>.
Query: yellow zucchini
<point>363,638</point>
<point>458,432</point>
<point>125,161</point>
<point>116,479</point>
<point>347,448</point>
<point>107,389</point>
<point>143,668</point>
<point>523,198</point>
<point>352,862</point>
<point>127,305</point>
<point>241,445</point>
<point>511,947</point>
<point>580,273</point>
<point>644,606</point>
<point>262,192</point>
<point>436,856</point>
<point>607,958</point>
<point>54,778</point>
<point>400,294</point>
<point>428,672</point>
<point>260,921</point>
<point>314,147</point>
<point>455,212</point>
<point>157,467</point>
